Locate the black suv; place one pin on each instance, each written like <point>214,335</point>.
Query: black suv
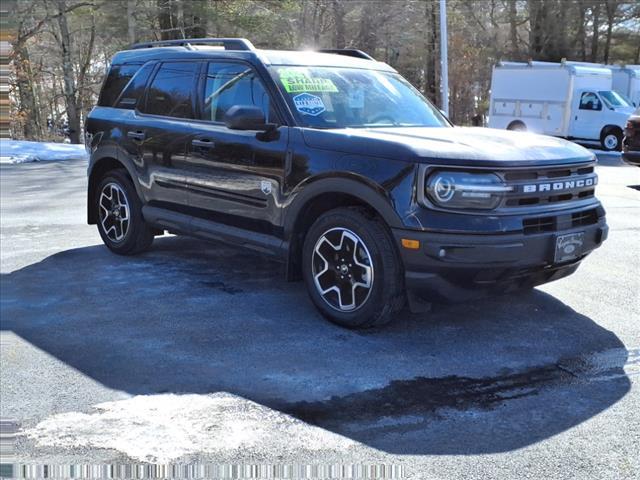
<point>631,142</point>
<point>334,163</point>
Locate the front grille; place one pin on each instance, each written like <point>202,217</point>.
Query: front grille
<point>554,223</point>
<point>588,217</point>
<point>539,225</point>
<point>549,185</point>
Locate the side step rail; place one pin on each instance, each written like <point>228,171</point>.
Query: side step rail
<point>209,230</point>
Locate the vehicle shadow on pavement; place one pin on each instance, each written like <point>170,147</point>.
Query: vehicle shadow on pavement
<point>192,317</point>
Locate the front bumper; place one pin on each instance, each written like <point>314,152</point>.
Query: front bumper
<point>460,267</point>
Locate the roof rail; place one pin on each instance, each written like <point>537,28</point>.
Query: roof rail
<point>349,52</point>
<point>227,43</point>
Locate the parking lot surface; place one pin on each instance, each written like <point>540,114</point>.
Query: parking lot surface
<point>201,352</point>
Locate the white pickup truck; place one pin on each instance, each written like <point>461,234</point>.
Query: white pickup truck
<point>569,99</point>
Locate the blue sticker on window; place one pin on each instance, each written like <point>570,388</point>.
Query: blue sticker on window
<point>308,104</point>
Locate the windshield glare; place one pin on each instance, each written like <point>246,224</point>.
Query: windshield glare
<point>613,99</point>
<point>324,97</point>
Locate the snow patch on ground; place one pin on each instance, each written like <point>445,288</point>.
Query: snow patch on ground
<point>18,151</point>
<point>161,428</point>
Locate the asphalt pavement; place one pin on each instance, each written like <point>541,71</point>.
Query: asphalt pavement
<point>198,352</point>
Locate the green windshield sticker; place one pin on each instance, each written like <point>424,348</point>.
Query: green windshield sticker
<point>297,81</point>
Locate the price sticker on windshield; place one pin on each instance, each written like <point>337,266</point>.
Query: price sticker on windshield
<point>297,81</point>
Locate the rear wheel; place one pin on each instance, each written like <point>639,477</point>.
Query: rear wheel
<point>351,268</point>
<point>611,139</point>
<point>517,126</point>
<point>120,221</point>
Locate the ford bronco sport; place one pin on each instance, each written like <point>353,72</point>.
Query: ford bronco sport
<point>334,163</point>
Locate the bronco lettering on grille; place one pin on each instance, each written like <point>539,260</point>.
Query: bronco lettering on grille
<point>559,186</point>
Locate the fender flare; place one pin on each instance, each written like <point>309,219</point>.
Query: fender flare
<point>98,156</point>
<point>374,196</point>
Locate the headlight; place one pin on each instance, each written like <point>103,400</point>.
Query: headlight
<point>460,190</point>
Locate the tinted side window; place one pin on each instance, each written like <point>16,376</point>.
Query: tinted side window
<point>118,77</point>
<point>171,90</point>
<point>590,101</point>
<point>135,88</point>
<point>229,84</point>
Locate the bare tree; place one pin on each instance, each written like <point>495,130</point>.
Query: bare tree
<point>167,20</point>
<point>73,80</point>
<point>367,38</point>
<point>27,110</point>
<point>338,20</point>
<point>537,20</point>
<point>58,75</point>
<point>596,31</point>
<point>131,21</point>
<point>580,43</point>
<point>513,29</point>
<point>611,8</point>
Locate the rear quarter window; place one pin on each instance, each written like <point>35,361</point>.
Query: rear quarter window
<point>134,90</point>
<point>117,78</point>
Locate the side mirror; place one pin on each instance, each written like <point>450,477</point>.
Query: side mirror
<point>246,117</point>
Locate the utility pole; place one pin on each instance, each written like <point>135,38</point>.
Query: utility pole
<point>444,64</point>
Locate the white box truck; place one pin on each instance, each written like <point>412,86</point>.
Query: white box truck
<point>626,80</point>
<point>570,99</point>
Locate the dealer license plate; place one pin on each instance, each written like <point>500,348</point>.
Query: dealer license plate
<point>569,247</point>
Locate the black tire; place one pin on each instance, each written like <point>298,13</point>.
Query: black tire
<point>137,236</point>
<point>611,139</point>
<point>386,294</point>
<point>517,126</point>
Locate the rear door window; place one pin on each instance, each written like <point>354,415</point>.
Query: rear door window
<point>229,84</point>
<point>171,91</point>
<point>118,77</point>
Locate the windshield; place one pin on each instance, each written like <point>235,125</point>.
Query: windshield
<point>327,97</point>
<point>613,99</point>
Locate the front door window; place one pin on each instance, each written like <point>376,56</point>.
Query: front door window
<point>229,84</point>
<point>590,101</point>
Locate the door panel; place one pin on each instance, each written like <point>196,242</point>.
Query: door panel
<point>163,161</point>
<point>167,113</point>
<point>587,117</point>
<point>233,176</point>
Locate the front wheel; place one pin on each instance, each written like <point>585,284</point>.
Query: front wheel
<point>352,270</point>
<point>120,222</point>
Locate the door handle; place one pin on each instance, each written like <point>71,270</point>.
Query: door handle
<point>203,142</point>
<point>138,135</point>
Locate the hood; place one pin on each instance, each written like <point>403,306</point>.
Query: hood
<point>625,110</point>
<point>469,146</point>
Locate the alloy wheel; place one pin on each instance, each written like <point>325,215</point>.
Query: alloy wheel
<point>114,212</point>
<point>342,269</point>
